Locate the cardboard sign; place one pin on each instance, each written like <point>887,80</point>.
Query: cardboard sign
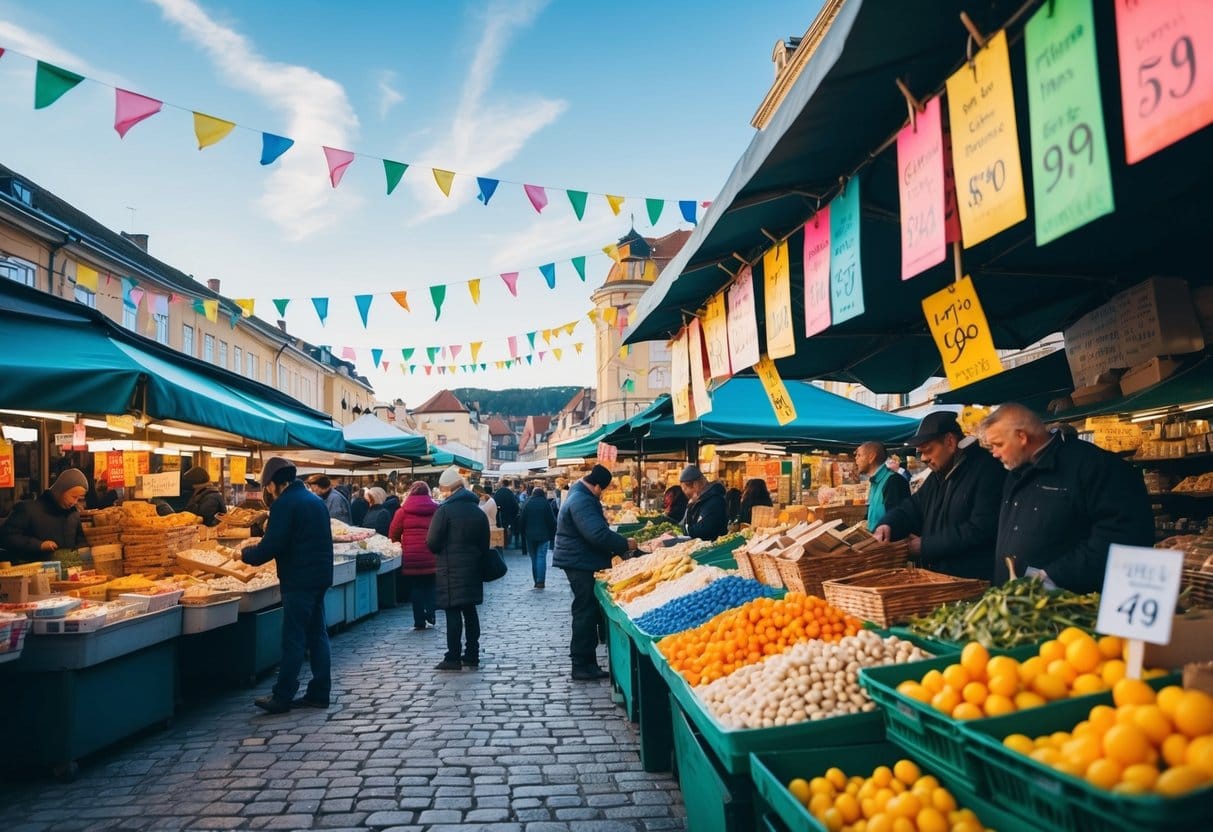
<point>159,485</point>
<point>985,145</point>
<point>777,393</point>
<point>100,463</point>
<point>716,338</point>
<point>130,467</point>
<point>817,273</point>
<point>680,379</point>
<point>846,278</point>
<point>920,190</point>
<point>8,470</point>
<point>79,440</point>
<point>742,322</point>
<point>115,470</point>
<point>1071,174</point>
<point>63,440</point>
<point>237,469</point>
<point>961,333</point>
<point>777,300</point>
<point>1139,591</point>
<point>700,400</point>
<point>120,424</point>
<point>1166,71</point>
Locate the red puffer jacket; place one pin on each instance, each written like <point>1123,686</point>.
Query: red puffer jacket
<point>410,526</point>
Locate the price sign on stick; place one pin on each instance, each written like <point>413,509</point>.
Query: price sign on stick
<point>961,333</point>
<point>1138,600</point>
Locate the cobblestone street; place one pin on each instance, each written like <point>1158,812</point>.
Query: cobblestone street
<point>515,745</point>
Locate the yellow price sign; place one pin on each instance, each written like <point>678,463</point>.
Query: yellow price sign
<point>962,333</point>
<point>680,379</point>
<point>239,469</point>
<point>777,392</point>
<point>214,468</point>
<point>777,279</point>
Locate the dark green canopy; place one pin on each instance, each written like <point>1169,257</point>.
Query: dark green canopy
<point>370,436</point>
<point>1033,385</point>
<point>442,455</point>
<point>586,446</point>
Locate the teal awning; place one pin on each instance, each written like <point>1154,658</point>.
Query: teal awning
<point>368,435</point>
<point>443,455</point>
<point>1033,385</point>
<point>587,446</point>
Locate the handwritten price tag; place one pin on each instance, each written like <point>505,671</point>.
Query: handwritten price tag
<point>985,144</point>
<point>777,298</point>
<point>1139,591</point>
<point>700,400</point>
<point>777,392</point>
<point>716,338</point>
<point>115,470</point>
<point>1166,71</point>
<point>817,273</point>
<point>743,323</point>
<point>239,469</point>
<point>680,379</point>
<point>846,274</point>
<point>920,190</point>
<point>167,484</point>
<point>961,333</point>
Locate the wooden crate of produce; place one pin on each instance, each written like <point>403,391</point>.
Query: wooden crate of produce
<point>894,596</point>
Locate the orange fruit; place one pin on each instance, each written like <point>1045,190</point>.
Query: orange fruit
<point>831,819</point>
<point>942,800</point>
<point>820,785</point>
<point>914,691</point>
<point>1112,671</point>
<point>1050,687</point>
<point>905,805</point>
<point>1132,692</point>
<point>933,681</point>
<point>975,693</point>
<point>1020,743</point>
<point>1071,634</point>
<point>1051,651</point>
<point>1153,723</point>
<point>1083,654</point>
<point>880,822</point>
<point>1062,670</point>
<point>1102,717</point>
<point>974,658</point>
<point>1082,751</point>
<point>1126,744</point>
<point>1197,753</point>
<point>1124,714</point>
<point>903,825</point>
<point>1179,780</point>
<point>946,700</point>
<point>906,771</point>
<point>1142,775</point>
<point>930,819</point>
<point>967,710</point>
<point>1169,698</point>
<point>1048,756</point>
<point>1087,683</point>
<point>999,665</point>
<point>1103,773</point>
<point>1026,699</point>
<point>956,676</point>
<point>1175,749</point>
<point>1003,684</point>
<point>1194,714</point>
<point>800,790</point>
<point>819,803</point>
<point>848,808</point>
<point>998,705</point>
<point>836,777</point>
<point>1030,669</point>
<point>882,776</point>
<point>1111,647</point>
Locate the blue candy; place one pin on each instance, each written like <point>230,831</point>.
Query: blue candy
<point>701,606</point>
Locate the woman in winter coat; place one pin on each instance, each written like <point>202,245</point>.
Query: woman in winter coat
<point>409,528</point>
<point>538,523</point>
<point>459,538</point>
<point>755,494</point>
<point>377,516</point>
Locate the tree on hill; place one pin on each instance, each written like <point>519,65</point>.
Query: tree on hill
<point>518,401</point>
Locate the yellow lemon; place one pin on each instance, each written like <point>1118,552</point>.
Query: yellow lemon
<point>1132,692</point>
<point>930,819</point>
<point>1112,671</point>
<point>1002,665</point>
<point>820,785</point>
<point>975,693</point>
<point>1026,699</point>
<point>1142,775</point>
<point>1153,723</point>
<point>946,700</point>
<point>836,777</point>
<point>1179,780</point>
<point>1111,647</point>
<point>848,808</point>
<point>1020,743</point>
<point>818,804</point>
<point>933,681</point>
<point>882,776</point>
<point>1175,749</point>
<point>1102,717</point>
<point>1030,669</point>
<point>1103,773</point>
<point>998,705</point>
<point>800,790</point>
<point>967,710</point>
<point>974,658</point>
<point>1087,683</point>
<point>956,676</point>
<point>906,771</point>
<point>1050,687</point>
<point>914,691</point>
<point>1082,752</point>
<point>1126,744</point>
<point>1169,698</point>
<point>1194,714</point>
<point>1051,651</point>
<point>1062,670</point>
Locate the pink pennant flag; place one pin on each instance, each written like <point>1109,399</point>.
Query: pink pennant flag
<point>511,282</point>
<point>541,354</point>
<point>348,354</point>
<point>455,349</point>
<point>538,197</point>
<point>513,339</point>
<point>386,364</point>
<point>136,296</point>
<point>130,108</point>
<point>338,161</point>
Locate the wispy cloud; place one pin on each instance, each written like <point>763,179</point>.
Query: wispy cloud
<point>317,111</point>
<point>389,96</point>
<point>484,133</point>
<point>38,46</point>
<point>549,237</point>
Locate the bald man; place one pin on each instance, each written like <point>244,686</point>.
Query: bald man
<point>886,488</point>
<point>1064,502</point>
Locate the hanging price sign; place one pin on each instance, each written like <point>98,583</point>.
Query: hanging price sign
<point>777,298</point>
<point>1166,71</point>
<point>777,392</point>
<point>743,323</point>
<point>846,276</point>
<point>985,144</point>
<point>961,333</point>
<point>920,190</point>
<point>680,379</point>
<point>700,400</point>
<point>1071,174</point>
<point>716,338</point>
<point>1139,591</point>
<point>239,469</point>
<point>115,470</point>
<point>8,472</point>
<point>817,273</point>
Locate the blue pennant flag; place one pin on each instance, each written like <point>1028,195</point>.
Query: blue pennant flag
<point>273,146</point>
<point>687,206</point>
<point>487,188</point>
<point>548,270</point>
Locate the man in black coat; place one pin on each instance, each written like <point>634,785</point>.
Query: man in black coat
<point>707,515</point>
<point>1065,502</point>
<point>459,539</point>
<point>36,528</point>
<point>952,520</point>
<point>507,509</point>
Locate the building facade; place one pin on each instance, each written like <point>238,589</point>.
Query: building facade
<point>444,420</point>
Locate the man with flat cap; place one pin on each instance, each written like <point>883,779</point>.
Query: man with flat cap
<point>298,536</point>
<point>952,520</point>
<point>585,544</point>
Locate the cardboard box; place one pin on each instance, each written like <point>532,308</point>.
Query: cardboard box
<point>14,589</point>
<point>1147,374</point>
<point>1191,641</point>
<point>1095,393</point>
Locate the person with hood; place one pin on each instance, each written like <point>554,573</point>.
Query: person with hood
<point>359,506</point>
<point>707,518</point>
<point>674,505</point>
<point>507,509</point>
<point>36,528</point>
<point>377,516</point>
<point>409,528</point>
<point>538,525</point>
<point>334,500</point>
<point>207,500</point>
<point>392,503</point>
<point>755,494</point>
<point>300,539</point>
<point>459,539</point>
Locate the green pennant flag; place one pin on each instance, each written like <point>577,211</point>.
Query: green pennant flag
<point>578,200</point>
<point>394,171</point>
<point>655,206</point>
<point>530,359</point>
<point>531,337</point>
<point>407,352</point>
<point>438,295</point>
<point>51,82</point>
<point>280,304</point>
<point>432,352</point>
<point>412,369</point>
<point>483,366</point>
<point>579,265</point>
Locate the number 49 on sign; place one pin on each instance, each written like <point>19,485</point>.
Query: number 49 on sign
<point>1139,592</point>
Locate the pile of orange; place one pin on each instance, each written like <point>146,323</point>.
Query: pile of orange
<point>1074,664</point>
<point>747,635</point>
<point>1149,743</point>
<point>897,798</point>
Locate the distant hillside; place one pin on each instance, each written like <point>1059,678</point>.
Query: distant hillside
<point>518,401</point>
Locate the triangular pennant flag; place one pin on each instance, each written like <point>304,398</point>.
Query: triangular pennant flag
<point>577,198</point>
<point>199,308</point>
<point>212,310</point>
<point>338,161</point>
<point>484,366</point>
<point>463,368</point>
<point>547,336</point>
<point>444,178</point>
<point>432,352</point>
<point>593,316</point>
<point>412,369</point>
<point>578,346</point>
<point>51,82</point>
<point>130,108</point>
<point>513,342</point>
<point>407,353</point>
<point>455,350</point>
<point>511,282</point>
<point>654,207</point>
<point>128,285</point>
<point>402,298</point>
<point>556,351</point>
<point>394,171</point>
<point>386,365</point>
<point>474,288</point>
<point>451,368</point>
<point>428,369</point>
<point>376,356</point>
<point>616,202</point>
<point>530,336</point>
<point>348,354</point>
<point>438,295</point>
<point>442,353</point>
<point>487,188</point>
<point>610,315</point>
<point>612,251</point>
<point>233,319</point>
<point>548,270</point>
<point>322,308</point>
<point>687,206</point>
<point>86,278</point>
<point>364,307</point>
<point>569,327</point>
<point>280,304</point>
<point>272,147</point>
<point>136,296</point>
<point>246,306</point>
<point>1,51</point>
<point>538,197</point>
<point>579,265</point>
<point>210,130</point>
<point>541,354</point>
<point>530,359</point>
<point>475,346</point>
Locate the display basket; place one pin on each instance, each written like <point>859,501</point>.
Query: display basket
<point>1199,586</point>
<point>102,535</point>
<point>894,596</point>
<point>766,569</point>
<point>849,515</point>
<point>762,517</point>
<point>810,570</point>
<point>744,565</point>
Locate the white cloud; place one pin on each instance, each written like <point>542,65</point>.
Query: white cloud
<point>389,96</point>
<point>559,234</point>
<point>41,48</point>
<point>318,111</point>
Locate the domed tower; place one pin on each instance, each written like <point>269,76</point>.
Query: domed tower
<point>630,379</point>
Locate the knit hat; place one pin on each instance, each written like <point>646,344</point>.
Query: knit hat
<point>272,466</point>
<point>450,478</point>
<point>67,480</point>
<point>377,494</point>
<point>691,473</point>
<point>419,487</point>
<point>599,475</point>
<point>196,476</point>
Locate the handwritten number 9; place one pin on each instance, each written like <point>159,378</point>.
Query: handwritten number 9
<point>1183,55</point>
<point>958,339</point>
<point>1148,609</point>
<point>1053,165</point>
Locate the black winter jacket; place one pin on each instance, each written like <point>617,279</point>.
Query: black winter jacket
<point>584,541</point>
<point>708,517</point>
<point>378,518</point>
<point>459,539</point>
<point>33,521</point>
<point>956,515</point>
<point>537,521</point>
<point>298,536</point>
<point>507,506</point>
<point>1062,512</point>
<point>207,502</point>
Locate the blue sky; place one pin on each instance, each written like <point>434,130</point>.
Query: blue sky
<point>633,98</point>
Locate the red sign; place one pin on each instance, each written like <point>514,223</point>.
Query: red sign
<point>115,470</point>
<point>8,477</point>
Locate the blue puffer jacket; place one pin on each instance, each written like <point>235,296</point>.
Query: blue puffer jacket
<point>583,539</point>
<point>299,537</point>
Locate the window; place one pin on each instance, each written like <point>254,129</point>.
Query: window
<point>269,373</point>
<point>21,191</point>
<point>86,297</point>
<point>659,378</point>
<point>208,348</point>
<point>283,380</point>
<point>161,328</point>
<point>223,354</point>
<point>130,316</point>
<point>187,339</point>
<point>22,271</point>
<point>238,360</point>
<point>251,367</point>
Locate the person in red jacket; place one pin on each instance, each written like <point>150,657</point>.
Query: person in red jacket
<point>409,527</point>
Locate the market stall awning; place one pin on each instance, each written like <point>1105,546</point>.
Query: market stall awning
<point>586,446</point>
<point>454,453</point>
<point>1033,385</point>
<point>1190,389</point>
<point>368,435</point>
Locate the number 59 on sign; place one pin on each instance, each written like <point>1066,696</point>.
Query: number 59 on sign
<point>1139,592</point>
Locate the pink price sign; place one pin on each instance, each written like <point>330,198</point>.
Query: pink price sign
<point>920,186</point>
<point>817,273</point>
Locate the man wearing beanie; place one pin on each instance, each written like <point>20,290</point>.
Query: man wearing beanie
<point>206,501</point>
<point>36,528</point>
<point>585,544</point>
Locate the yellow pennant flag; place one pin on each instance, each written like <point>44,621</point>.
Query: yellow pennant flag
<point>624,352</point>
<point>476,345</point>
<point>609,314</point>
<point>578,347</point>
<point>557,351</point>
<point>402,298</point>
<point>547,336</point>
<point>212,310</point>
<point>593,316</point>
<point>474,288</point>
<point>776,392</point>
<point>616,202</point>
<point>246,306</point>
<point>211,130</point>
<point>444,178</point>
<point>86,278</point>
<point>569,327</point>
<point>612,251</point>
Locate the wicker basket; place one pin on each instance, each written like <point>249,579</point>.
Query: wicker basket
<point>101,535</point>
<point>807,573</point>
<point>1200,585</point>
<point>849,515</point>
<point>894,596</point>
<point>766,569</point>
<point>744,567</point>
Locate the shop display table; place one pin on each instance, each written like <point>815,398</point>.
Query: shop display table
<point>361,596</point>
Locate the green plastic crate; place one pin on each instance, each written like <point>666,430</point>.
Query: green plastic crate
<point>1051,799</point>
<point>939,648</point>
<point>716,801</point>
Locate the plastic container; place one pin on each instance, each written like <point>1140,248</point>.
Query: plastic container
<point>154,602</point>
<point>259,599</point>
<point>55,607</point>
<point>75,652</point>
<point>199,618</point>
<point>6,630</point>
<point>89,622</point>
<point>344,571</point>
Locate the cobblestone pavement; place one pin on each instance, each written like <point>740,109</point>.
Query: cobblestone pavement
<point>515,746</point>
